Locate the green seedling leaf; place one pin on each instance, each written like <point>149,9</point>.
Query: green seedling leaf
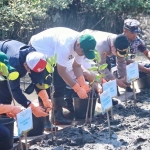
<point>4,69</point>
<point>97,56</point>
<point>103,66</point>
<point>49,60</point>
<point>52,60</point>
<point>49,68</point>
<point>98,77</point>
<point>13,75</point>
<point>2,78</point>
<point>93,69</point>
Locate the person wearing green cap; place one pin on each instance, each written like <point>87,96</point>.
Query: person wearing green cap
<point>10,110</point>
<point>109,44</point>
<point>69,45</point>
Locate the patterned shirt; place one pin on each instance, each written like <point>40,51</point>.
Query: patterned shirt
<point>137,45</point>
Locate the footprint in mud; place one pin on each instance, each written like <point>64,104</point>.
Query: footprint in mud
<point>139,140</point>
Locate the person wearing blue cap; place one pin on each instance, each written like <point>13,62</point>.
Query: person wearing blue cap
<point>131,30</point>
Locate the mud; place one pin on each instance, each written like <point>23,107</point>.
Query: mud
<point>130,130</point>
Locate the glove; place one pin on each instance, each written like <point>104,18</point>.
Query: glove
<point>11,111</point>
<point>83,84</point>
<point>38,111</point>
<point>80,91</point>
<point>46,101</point>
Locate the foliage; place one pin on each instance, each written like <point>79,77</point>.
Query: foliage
<point>98,68</point>
<point>4,73</point>
<point>23,18</point>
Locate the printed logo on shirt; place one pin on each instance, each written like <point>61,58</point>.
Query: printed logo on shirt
<point>70,57</point>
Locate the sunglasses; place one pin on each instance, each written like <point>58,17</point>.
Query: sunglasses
<point>123,53</point>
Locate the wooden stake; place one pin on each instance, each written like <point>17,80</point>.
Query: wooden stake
<point>10,92</point>
<point>91,110</point>
<point>25,134</point>
<point>134,93</point>
<point>21,147</point>
<point>112,114</point>
<point>86,119</point>
<point>108,123</point>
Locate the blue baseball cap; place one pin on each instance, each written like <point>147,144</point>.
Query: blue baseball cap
<point>132,25</point>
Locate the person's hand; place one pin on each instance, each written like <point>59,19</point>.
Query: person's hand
<point>48,105</point>
<point>38,111</point>
<point>83,84</point>
<point>80,91</point>
<point>121,83</point>
<point>11,111</point>
<point>46,101</point>
<point>14,112</point>
<point>98,87</point>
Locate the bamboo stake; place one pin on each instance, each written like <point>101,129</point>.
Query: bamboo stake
<point>91,110</point>
<point>134,93</point>
<point>10,92</point>
<point>86,119</point>
<point>108,124</point>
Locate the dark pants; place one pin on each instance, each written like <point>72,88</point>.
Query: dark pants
<point>59,84</point>
<point>5,96</point>
<point>4,137</point>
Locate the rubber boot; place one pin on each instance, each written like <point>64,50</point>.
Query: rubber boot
<point>70,108</point>
<point>58,112</point>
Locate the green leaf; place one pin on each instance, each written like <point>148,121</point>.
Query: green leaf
<point>97,56</point>
<point>98,77</point>
<point>49,68</point>
<point>13,75</point>
<point>103,66</point>
<point>4,69</point>
<point>93,69</point>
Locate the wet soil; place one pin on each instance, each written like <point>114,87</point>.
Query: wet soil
<point>130,130</point>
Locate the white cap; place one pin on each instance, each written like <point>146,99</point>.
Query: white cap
<point>36,61</point>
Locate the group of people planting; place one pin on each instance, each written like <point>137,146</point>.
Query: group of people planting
<point>71,48</point>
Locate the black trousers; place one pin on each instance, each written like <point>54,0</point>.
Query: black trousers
<point>4,137</point>
<point>59,84</point>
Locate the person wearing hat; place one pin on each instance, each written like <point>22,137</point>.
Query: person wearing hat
<point>131,30</point>
<point>9,110</point>
<point>22,58</point>
<point>109,44</point>
<point>68,44</point>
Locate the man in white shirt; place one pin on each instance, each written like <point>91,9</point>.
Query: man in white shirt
<point>67,44</point>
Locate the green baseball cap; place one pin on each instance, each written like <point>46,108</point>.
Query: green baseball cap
<point>88,43</point>
<point>4,59</point>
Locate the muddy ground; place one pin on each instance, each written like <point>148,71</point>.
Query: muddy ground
<point>130,130</point>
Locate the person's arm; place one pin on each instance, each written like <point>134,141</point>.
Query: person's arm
<point>66,77</point>
<point>147,53</point>
<point>21,99</point>
<point>10,110</point>
<point>121,66</point>
<point>17,93</point>
<point>143,49</point>
<point>77,69</point>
